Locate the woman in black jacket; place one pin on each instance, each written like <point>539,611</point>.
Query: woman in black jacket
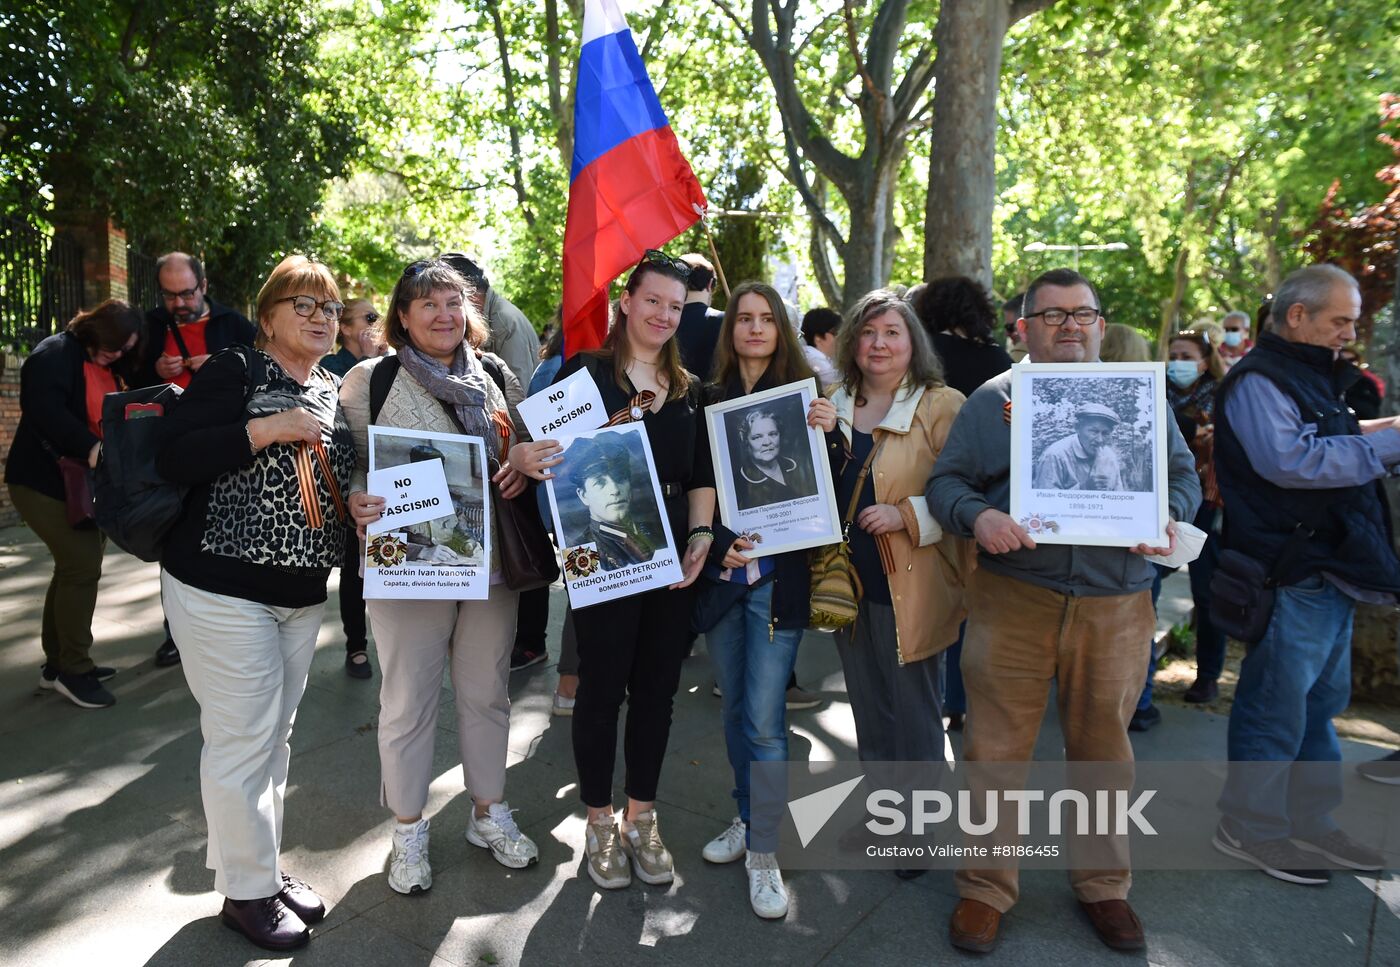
<point>260,440</point>
<point>60,398</point>
<point>765,601</point>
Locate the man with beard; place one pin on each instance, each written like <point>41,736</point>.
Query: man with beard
<point>187,327</point>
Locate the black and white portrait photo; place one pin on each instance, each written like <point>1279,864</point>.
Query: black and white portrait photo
<point>457,539</point>
<point>605,496</point>
<point>768,451</point>
<point>1092,434</point>
<point>772,478</point>
<point>1088,452</point>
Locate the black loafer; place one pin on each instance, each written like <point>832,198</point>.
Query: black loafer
<point>358,669</point>
<point>267,923</point>
<point>302,900</point>
<point>167,654</point>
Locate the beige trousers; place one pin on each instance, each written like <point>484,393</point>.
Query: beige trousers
<point>415,640</point>
<point>1020,638</point>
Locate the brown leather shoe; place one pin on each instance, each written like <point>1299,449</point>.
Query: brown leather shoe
<point>974,926</point>
<point>266,922</point>
<point>299,898</point>
<point>1116,923</point>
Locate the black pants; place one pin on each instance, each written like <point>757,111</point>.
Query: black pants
<point>632,649</point>
<point>352,595</point>
<point>531,619</point>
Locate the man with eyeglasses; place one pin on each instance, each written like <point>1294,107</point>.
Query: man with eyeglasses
<point>1077,617</point>
<point>181,333</point>
<point>187,327</point>
<point>512,337</point>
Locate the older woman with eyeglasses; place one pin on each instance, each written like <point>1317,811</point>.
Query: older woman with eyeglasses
<point>260,441</point>
<point>60,400</point>
<point>440,382</point>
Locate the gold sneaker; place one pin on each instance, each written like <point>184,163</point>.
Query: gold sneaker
<point>650,857</point>
<point>607,864</point>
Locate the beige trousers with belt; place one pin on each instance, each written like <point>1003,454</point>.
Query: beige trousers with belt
<point>1020,638</point>
<point>417,641</point>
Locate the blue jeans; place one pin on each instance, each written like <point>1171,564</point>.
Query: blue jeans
<point>752,672</point>
<point>1210,640</point>
<point>954,695</point>
<point>1291,685</point>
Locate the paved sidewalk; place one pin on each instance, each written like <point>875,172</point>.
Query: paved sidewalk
<point>102,836</point>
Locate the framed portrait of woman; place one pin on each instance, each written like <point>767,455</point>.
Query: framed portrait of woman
<point>771,470</point>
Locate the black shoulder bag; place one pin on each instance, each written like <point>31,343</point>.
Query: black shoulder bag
<point>1242,589</point>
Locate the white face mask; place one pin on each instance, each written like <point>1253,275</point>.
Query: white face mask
<point>1234,338</point>
<point>1182,372</point>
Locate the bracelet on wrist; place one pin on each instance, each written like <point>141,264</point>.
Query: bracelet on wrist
<point>699,532</point>
<point>253,448</point>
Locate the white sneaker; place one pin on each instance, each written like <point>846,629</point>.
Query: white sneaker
<point>561,705</point>
<point>729,845</point>
<point>497,832</point>
<point>767,895</point>
<point>409,871</point>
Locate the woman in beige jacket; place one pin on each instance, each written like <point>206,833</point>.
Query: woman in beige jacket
<point>440,383</point>
<point>892,400</point>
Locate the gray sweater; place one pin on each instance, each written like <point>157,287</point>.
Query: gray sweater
<point>973,473</point>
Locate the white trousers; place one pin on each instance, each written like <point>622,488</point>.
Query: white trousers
<point>415,639</point>
<point>246,664</point>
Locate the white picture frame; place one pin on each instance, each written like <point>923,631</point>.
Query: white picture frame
<point>448,558</point>
<point>614,534</point>
<point>784,499</point>
<point>1089,453</point>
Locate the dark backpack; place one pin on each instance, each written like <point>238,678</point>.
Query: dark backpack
<point>382,379</point>
<point>136,507</point>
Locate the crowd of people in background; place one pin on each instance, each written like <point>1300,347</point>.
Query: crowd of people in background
<point>270,439</point>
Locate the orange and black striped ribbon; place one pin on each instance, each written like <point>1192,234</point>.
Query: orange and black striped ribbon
<point>306,482</point>
<point>882,544</point>
<point>642,401</point>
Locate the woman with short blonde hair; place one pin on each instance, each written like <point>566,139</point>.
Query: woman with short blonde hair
<point>260,441</point>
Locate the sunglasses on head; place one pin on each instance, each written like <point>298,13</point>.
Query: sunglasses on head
<point>654,256</point>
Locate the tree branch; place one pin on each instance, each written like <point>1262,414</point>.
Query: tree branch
<point>654,30</point>
<point>734,18</point>
<point>853,45</point>
<point>517,164</point>
<point>1021,9</point>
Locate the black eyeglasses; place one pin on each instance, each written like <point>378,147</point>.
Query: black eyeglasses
<point>304,306</point>
<point>184,295</point>
<point>1084,316</point>
<point>412,269</point>
<point>654,256</point>
<point>371,317</point>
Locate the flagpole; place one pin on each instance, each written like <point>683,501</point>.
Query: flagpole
<point>714,253</point>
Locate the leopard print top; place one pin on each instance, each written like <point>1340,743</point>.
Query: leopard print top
<point>255,513</point>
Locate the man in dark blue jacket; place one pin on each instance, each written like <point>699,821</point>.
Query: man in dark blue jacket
<point>187,327</point>
<point>1300,479</point>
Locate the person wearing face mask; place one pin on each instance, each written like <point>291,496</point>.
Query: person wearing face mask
<point>1236,341</point>
<point>1082,618</point>
<point>1194,370</point>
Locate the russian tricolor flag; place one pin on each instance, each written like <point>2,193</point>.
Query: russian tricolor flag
<point>630,189</point>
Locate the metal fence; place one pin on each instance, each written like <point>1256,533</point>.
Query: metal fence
<point>41,282</point>
<point>142,291</point>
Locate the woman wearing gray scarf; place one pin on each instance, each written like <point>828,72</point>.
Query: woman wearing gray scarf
<point>440,386</point>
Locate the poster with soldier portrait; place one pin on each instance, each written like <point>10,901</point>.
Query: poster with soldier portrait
<point>1089,452</point>
<point>609,517</point>
<point>772,477</point>
<point>439,544</point>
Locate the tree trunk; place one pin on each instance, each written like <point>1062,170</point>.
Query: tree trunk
<point>962,161</point>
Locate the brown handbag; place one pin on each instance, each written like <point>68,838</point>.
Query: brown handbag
<point>526,552</point>
<point>836,587</point>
